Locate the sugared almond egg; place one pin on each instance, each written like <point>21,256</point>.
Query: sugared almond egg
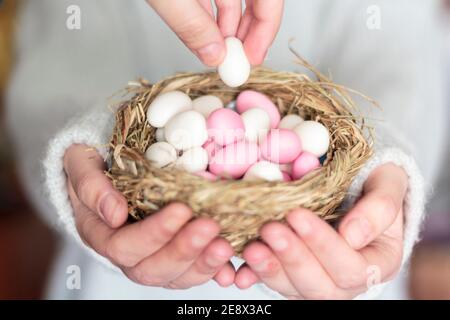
<point>160,135</point>
<point>290,121</point>
<point>225,126</point>
<point>186,130</point>
<point>287,167</point>
<point>304,164</point>
<point>167,105</point>
<point>207,175</point>
<point>314,136</point>
<point>193,160</point>
<point>256,123</point>
<point>252,99</point>
<point>264,170</point>
<point>207,104</point>
<point>161,154</point>
<point>235,68</point>
<point>233,160</point>
<point>286,176</point>
<point>281,146</point>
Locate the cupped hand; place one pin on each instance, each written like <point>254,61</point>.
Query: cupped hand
<point>308,259</point>
<point>168,249</point>
<point>195,24</point>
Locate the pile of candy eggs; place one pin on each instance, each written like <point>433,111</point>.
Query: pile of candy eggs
<point>246,139</point>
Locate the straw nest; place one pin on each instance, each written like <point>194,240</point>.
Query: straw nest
<point>241,207</point>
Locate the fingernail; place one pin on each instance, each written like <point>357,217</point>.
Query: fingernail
<point>261,266</point>
<point>199,241</point>
<point>303,227</point>
<point>279,243</point>
<point>108,207</point>
<point>357,232</point>
<point>210,53</point>
<point>215,261</point>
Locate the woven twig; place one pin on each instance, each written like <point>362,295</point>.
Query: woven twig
<point>241,207</point>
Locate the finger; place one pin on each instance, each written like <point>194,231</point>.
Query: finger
<point>133,243</point>
<point>85,171</point>
<point>229,14</point>
<point>92,230</point>
<point>384,255</point>
<point>266,266</point>
<point>177,256</point>
<point>212,259</point>
<point>301,266</point>
<point>225,277</point>
<point>266,21</point>
<point>195,27</point>
<point>245,277</point>
<point>207,5</point>
<point>383,197</point>
<point>345,266</point>
<point>245,23</point>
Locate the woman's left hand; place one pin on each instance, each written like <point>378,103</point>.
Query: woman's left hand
<point>308,259</point>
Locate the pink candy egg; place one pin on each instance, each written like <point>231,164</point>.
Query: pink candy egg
<point>207,175</point>
<point>211,147</point>
<point>286,176</point>
<point>281,146</point>
<point>304,164</point>
<point>225,126</point>
<point>252,99</point>
<point>233,160</point>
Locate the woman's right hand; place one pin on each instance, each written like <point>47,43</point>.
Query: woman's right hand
<point>168,249</point>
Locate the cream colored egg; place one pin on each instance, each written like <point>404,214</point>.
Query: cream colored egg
<point>235,69</point>
<point>256,123</point>
<point>165,106</point>
<point>314,137</point>
<point>264,170</point>
<point>290,121</point>
<point>186,130</point>
<point>162,154</point>
<point>160,135</point>
<point>207,104</point>
<point>193,160</point>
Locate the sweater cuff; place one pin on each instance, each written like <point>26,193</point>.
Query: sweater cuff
<point>93,129</point>
<point>414,205</point>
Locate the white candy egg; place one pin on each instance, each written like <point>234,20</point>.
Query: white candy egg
<point>193,160</point>
<point>160,135</point>
<point>161,154</point>
<point>314,136</point>
<point>207,104</point>
<point>256,123</point>
<point>186,130</point>
<point>165,106</point>
<point>235,69</point>
<point>290,121</point>
<point>264,170</point>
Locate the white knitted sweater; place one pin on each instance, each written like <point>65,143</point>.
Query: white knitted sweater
<point>62,74</point>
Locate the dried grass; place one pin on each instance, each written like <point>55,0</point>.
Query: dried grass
<point>241,207</point>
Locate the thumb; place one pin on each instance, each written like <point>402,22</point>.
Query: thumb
<point>84,169</point>
<point>376,211</point>
<point>194,26</point>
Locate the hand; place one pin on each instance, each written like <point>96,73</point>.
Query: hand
<point>308,259</point>
<point>167,249</point>
<point>194,23</point>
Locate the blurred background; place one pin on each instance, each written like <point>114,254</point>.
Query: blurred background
<point>27,246</point>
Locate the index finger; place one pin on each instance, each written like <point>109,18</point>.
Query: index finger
<point>194,26</point>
